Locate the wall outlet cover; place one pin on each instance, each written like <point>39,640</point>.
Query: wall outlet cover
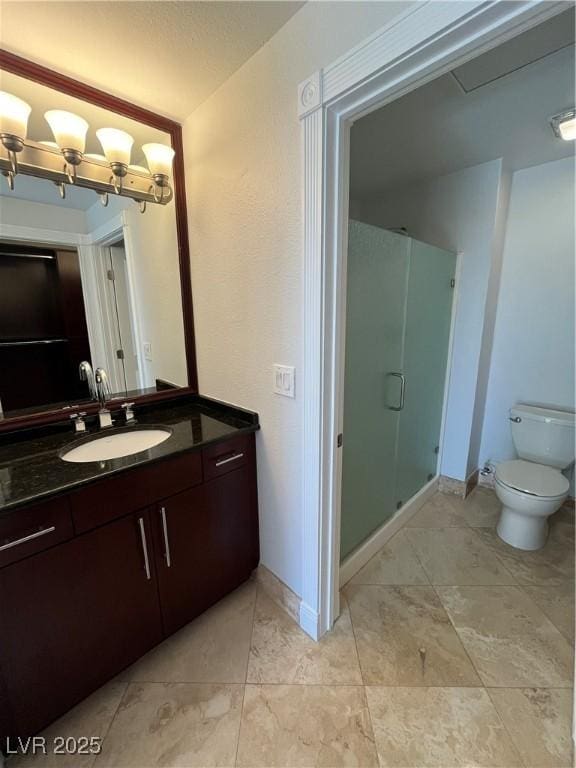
<point>283,380</point>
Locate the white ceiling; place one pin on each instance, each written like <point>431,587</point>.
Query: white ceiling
<point>44,191</point>
<point>167,56</point>
<point>438,128</point>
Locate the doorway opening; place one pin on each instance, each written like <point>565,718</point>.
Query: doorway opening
<point>429,380</point>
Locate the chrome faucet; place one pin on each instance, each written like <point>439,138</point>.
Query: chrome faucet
<point>103,391</point>
<point>87,374</point>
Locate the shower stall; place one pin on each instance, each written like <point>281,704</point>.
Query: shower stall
<point>398,313</point>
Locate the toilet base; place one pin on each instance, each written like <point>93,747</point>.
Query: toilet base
<point>522,531</point>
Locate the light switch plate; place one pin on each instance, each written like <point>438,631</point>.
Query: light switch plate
<point>147,350</point>
<point>283,383</point>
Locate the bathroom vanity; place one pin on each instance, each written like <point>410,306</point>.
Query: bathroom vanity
<point>102,557</point>
<point>102,560</point>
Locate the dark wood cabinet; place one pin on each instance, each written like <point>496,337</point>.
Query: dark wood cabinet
<point>231,509</point>
<point>83,602</point>
<point>119,599</point>
<point>42,650</point>
<point>183,559</point>
<point>73,616</point>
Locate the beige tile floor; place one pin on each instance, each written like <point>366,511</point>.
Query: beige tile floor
<point>452,649</point>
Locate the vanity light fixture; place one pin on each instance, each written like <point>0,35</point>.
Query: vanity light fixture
<point>564,125</point>
<point>159,158</point>
<point>70,134</point>
<point>43,159</point>
<point>117,146</point>
<point>14,114</point>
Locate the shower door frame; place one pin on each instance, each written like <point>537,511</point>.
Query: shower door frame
<point>419,45</point>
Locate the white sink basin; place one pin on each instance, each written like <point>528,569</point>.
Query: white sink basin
<point>116,445</point>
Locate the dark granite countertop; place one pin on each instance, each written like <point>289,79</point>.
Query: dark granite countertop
<point>31,468</point>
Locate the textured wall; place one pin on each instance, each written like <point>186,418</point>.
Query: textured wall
<point>533,357</point>
<point>243,176</point>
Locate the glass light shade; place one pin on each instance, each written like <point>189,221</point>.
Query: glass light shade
<point>69,129</point>
<point>567,129</point>
<point>14,114</point>
<point>159,158</point>
<point>116,144</point>
<point>95,156</point>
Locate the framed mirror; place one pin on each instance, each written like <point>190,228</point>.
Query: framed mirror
<point>86,276</point>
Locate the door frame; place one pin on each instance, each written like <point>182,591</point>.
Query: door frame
<point>419,45</point>
<point>109,233</point>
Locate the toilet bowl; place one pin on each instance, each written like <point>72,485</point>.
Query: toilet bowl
<point>529,493</point>
<point>532,487</point>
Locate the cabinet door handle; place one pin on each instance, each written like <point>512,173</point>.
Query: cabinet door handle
<point>166,542</point>
<point>24,539</point>
<point>144,547</point>
<point>236,456</point>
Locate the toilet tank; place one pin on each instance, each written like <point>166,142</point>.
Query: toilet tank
<point>543,435</point>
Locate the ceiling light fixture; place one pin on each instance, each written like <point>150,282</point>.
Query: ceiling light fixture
<point>43,159</point>
<point>564,125</point>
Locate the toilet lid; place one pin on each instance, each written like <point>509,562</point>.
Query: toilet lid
<point>537,479</point>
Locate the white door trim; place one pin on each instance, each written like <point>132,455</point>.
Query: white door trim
<point>422,43</point>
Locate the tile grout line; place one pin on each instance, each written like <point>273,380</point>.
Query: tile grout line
<point>117,709</point>
<point>420,563</point>
<point>571,641</point>
<point>504,726</point>
<point>460,640</point>
<point>515,581</point>
<point>256,591</point>
<point>343,596</point>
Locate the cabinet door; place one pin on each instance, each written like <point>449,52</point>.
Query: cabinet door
<point>232,509</point>
<point>42,649</point>
<point>72,617</point>
<point>183,559</point>
<point>119,594</point>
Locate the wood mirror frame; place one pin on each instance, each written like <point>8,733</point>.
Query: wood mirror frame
<point>29,70</point>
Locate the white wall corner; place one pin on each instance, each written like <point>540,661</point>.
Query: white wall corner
<point>309,621</point>
<point>310,94</point>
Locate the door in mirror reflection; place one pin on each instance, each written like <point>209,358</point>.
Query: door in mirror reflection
<point>122,353</point>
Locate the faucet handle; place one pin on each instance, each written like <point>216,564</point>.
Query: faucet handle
<point>78,419</point>
<point>128,411</point>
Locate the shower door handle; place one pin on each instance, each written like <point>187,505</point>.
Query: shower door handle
<point>402,391</point>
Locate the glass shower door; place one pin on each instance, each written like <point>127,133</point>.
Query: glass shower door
<point>398,310</point>
<point>375,304</point>
<point>425,357</point>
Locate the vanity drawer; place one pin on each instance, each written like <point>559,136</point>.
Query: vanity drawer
<point>108,499</point>
<point>105,500</point>
<point>224,457</point>
<point>33,529</point>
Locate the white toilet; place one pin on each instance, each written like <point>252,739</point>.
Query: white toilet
<point>533,487</point>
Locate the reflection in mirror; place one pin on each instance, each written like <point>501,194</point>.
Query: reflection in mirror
<point>82,281</point>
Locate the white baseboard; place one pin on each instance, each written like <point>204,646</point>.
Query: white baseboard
<point>368,549</point>
<point>309,620</point>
